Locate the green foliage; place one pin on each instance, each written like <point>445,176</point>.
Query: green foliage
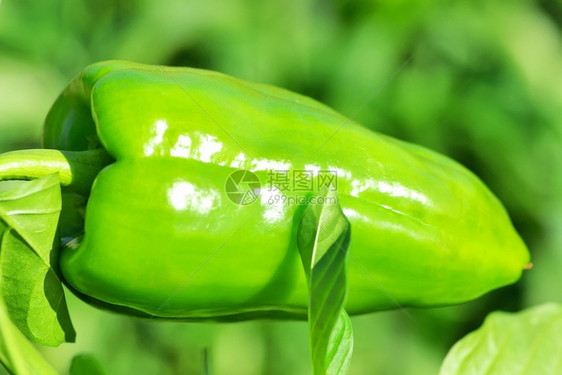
<point>482,85</point>
<point>17,354</point>
<point>31,289</point>
<point>323,241</point>
<point>85,364</point>
<point>528,342</point>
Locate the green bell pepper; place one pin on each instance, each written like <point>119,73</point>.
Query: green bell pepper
<point>162,238</point>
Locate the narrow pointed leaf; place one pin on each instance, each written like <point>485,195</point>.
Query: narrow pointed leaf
<point>323,241</point>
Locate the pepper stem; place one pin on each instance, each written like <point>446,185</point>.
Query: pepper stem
<point>77,169</point>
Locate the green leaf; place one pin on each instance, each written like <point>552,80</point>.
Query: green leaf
<point>85,364</point>
<point>32,209</point>
<point>17,354</point>
<point>323,241</point>
<point>31,290</point>
<point>524,343</point>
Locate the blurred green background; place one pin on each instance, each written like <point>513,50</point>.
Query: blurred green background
<point>480,81</point>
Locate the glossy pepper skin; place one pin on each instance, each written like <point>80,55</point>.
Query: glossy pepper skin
<point>161,237</point>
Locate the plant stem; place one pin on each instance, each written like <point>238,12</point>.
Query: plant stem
<point>77,169</point>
